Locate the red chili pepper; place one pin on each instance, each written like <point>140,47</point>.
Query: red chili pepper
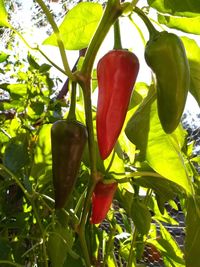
<point>116,74</point>
<point>101,201</point>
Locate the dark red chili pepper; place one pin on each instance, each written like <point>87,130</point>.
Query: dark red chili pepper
<point>101,201</point>
<point>116,74</point>
<point>68,139</point>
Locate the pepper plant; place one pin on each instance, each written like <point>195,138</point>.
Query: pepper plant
<point>86,183</point>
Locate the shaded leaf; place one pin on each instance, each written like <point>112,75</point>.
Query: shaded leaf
<point>163,188</point>
<point>16,155</point>
<point>78,26</point>
<point>176,7</point>
<point>192,242</point>
<point>32,62</point>
<point>41,168</point>
<point>137,128</point>
<point>59,245</point>
<point>5,248</point>
<point>141,216</point>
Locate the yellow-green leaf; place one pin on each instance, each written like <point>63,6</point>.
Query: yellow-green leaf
<point>162,151</point>
<point>193,54</point>
<point>3,15</point>
<point>189,25</point>
<point>78,26</point>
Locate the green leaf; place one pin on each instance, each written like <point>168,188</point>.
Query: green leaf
<point>162,151</point>
<point>168,247</point>
<point>193,54</point>
<point>114,165</point>
<point>125,196</point>
<point>3,57</point>
<point>137,128</point>
<point>32,61</point>
<point>164,217</point>
<point>189,25</point>
<point>163,188</point>
<point>4,248</point>
<point>17,91</point>
<point>176,7</point>
<point>16,155</point>
<point>59,244</point>
<point>78,26</point>
<point>3,15</point>
<point>127,147</point>
<point>192,242</point>
<point>41,168</point>
<point>141,216</point>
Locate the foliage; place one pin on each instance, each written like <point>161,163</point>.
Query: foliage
<point>152,168</point>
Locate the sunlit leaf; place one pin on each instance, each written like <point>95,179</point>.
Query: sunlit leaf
<point>189,25</point>
<point>163,155</point>
<point>193,54</point>
<point>176,7</point>
<point>127,147</point>
<point>78,26</point>
<point>17,90</point>
<point>114,166</point>
<point>161,150</point>
<point>3,15</point>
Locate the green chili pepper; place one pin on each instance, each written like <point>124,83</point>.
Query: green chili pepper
<point>165,55</point>
<point>68,139</point>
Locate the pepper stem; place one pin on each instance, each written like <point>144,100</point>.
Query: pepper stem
<point>72,111</point>
<point>117,35</point>
<point>152,30</point>
<point>58,37</point>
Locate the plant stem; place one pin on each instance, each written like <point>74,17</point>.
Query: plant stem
<point>152,30</point>
<point>117,35</point>
<point>138,29</point>
<point>109,245</point>
<point>42,231</point>
<point>145,173</point>
<point>50,61</point>
<point>111,13</point>
<point>10,263</point>
<point>72,110</point>
<point>37,49</point>
<point>89,123</point>
<point>83,223</point>
<point>131,257</point>
<point>58,37</point>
